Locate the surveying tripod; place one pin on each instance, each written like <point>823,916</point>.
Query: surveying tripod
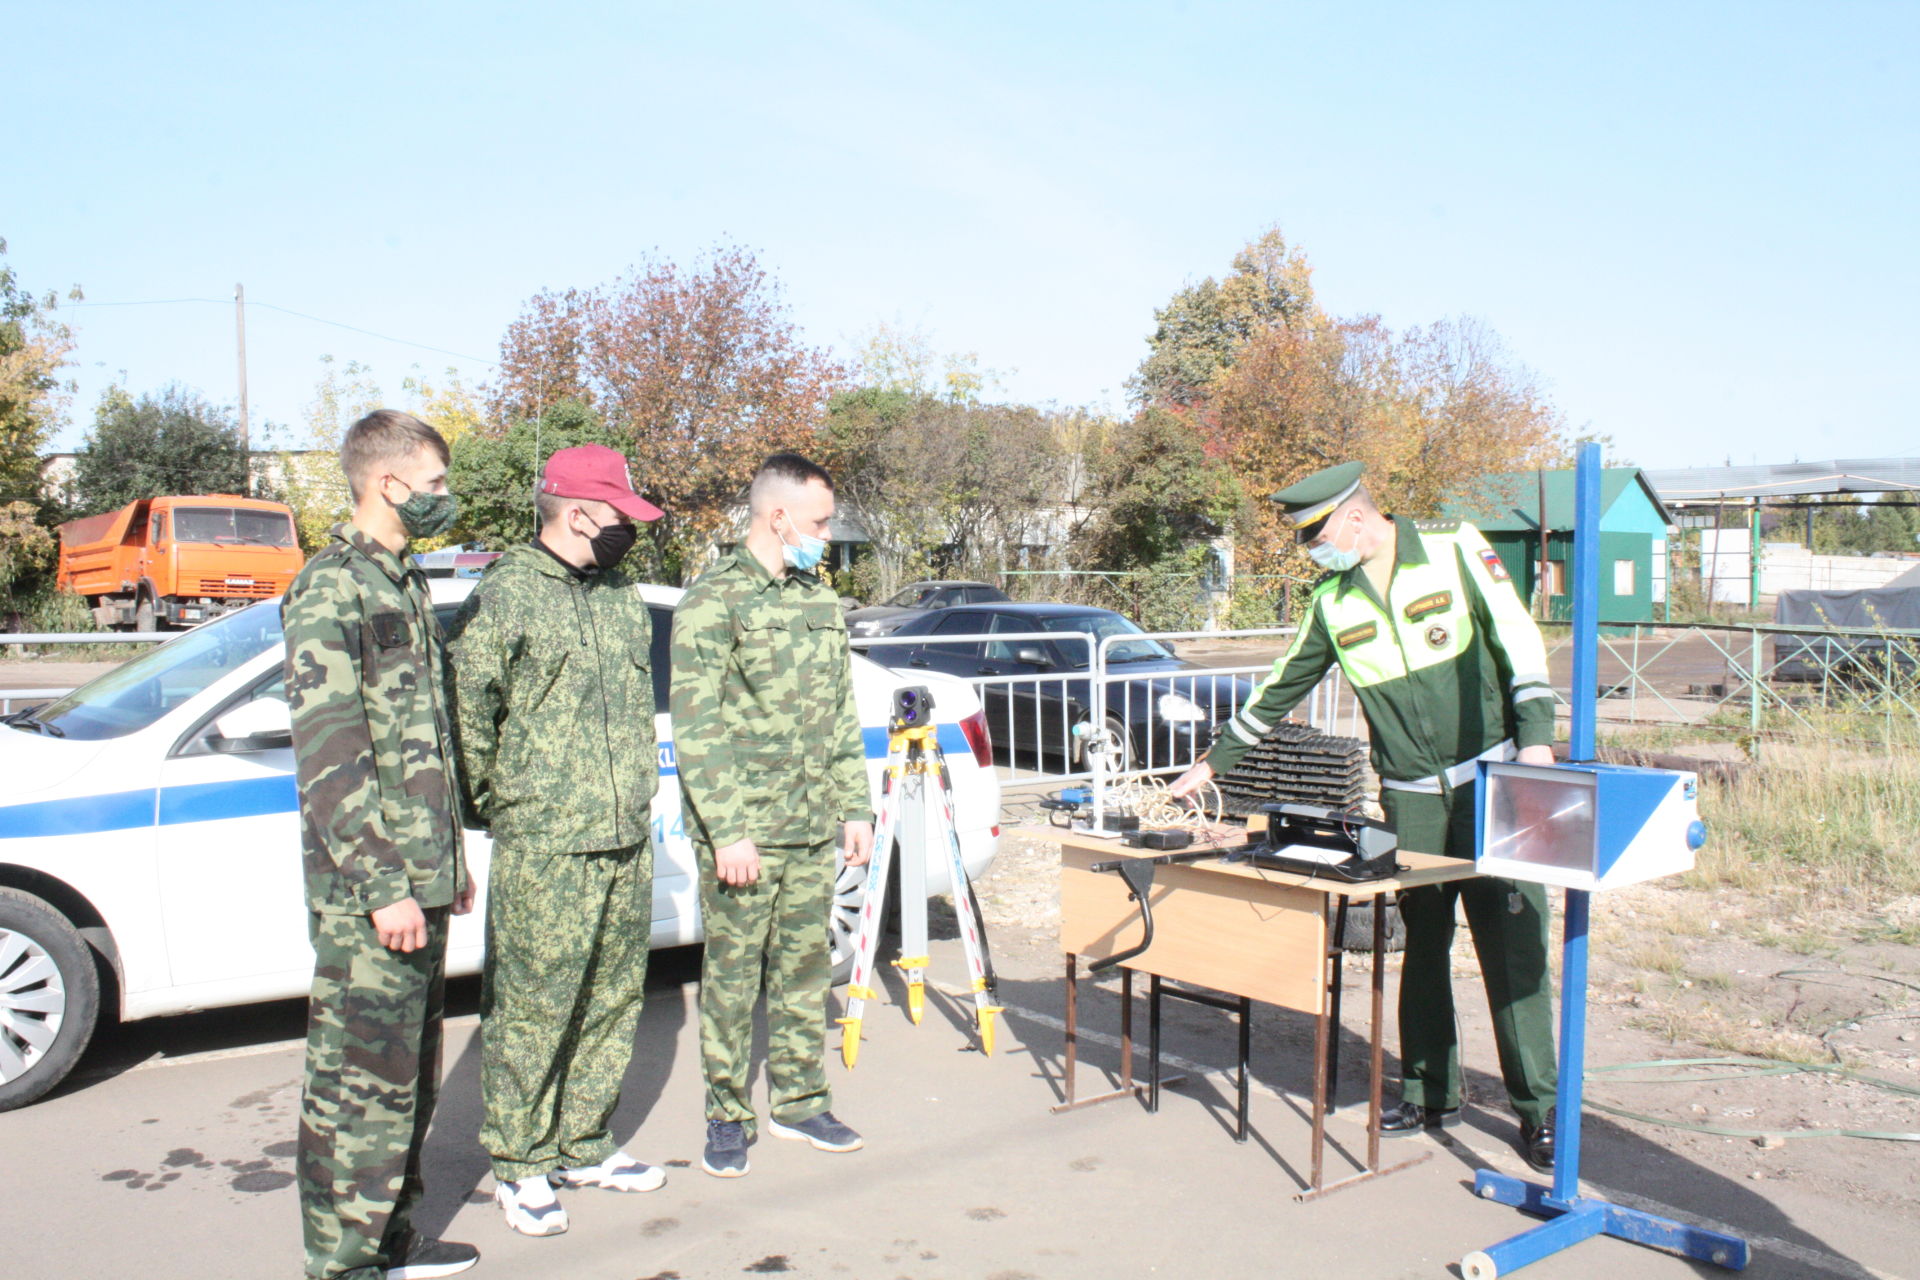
<point>915,762</point>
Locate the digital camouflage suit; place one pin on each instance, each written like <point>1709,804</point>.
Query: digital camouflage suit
<point>767,741</point>
<point>553,691</point>
<point>379,822</point>
<point>1449,669</point>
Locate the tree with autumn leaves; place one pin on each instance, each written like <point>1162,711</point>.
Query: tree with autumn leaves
<point>1277,388</point>
<point>697,373</point>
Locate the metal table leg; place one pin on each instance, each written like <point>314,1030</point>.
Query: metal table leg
<point>1127,1088</point>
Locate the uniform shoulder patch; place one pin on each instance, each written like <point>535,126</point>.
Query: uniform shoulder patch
<point>1495,569</point>
<point>1436,526</point>
<point>1357,635</point>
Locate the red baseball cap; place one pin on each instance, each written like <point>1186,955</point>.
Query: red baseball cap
<point>595,471</point>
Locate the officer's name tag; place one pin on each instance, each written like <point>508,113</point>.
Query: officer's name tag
<point>1435,603</point>
<point>1356,635</point>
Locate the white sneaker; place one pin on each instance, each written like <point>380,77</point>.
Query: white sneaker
<point>531,1207</point>
<point>618,1172</point>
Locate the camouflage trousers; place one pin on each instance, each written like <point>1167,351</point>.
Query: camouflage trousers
<point>373,1070</point>
<point>560,996</point>
<point>777,924</point>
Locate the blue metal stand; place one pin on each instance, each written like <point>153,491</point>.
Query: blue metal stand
<point>1570,1218</point>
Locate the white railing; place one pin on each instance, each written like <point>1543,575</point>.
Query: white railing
<point>10,698</point>
<point>85,637</point>
<point>1033,717</point>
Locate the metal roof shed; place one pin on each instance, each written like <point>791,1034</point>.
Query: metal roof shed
<point>1511,507</point>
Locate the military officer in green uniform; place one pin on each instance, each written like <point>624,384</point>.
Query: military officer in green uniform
<point>553,690</point>
<point>1450,670</point>
<point>380,838</point>
<point>773,775</point>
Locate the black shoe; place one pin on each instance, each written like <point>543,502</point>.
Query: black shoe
<point>425,1259</point>
<point>726,1153</point>
<point>1536,1142</point>
<point>1404,1118</point>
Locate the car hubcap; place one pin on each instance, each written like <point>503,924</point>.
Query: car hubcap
<point>849,893</point>
<point>33,1003</point>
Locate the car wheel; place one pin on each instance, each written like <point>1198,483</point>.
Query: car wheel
<point>1129,758</point>
<point>843,923</point>
<point>49,998</point>
<point>143,614</point>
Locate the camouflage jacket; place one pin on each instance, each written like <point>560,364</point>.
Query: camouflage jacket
<point>553,696</point>
<point>765,732</point>
<point>366,683</point>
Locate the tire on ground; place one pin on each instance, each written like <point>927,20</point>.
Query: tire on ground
<point>51,992</point>
<point>1358,934</point>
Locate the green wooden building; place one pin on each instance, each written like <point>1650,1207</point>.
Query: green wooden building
<point>1508,509</point>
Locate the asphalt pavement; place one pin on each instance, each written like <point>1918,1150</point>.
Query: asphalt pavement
<point>170,1154</point>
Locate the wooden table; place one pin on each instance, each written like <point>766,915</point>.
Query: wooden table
<point>1256,934</point>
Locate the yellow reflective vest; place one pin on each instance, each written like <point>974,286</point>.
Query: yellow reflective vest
<point>1449,668</point>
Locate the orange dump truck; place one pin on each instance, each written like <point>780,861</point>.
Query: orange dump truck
<point>178,561</point>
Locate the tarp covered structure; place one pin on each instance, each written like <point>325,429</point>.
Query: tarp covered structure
<point>1890,610</point>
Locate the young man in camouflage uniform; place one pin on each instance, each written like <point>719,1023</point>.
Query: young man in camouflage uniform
<point>380,832</point>
<point>772,773</point>
<point>1449,667</point>
<point>553,692</point>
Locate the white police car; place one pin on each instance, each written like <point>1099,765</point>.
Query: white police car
<point>149,835</point>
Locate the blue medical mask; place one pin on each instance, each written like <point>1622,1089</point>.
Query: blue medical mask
<point>804,556</point>
<point>1329,556</point>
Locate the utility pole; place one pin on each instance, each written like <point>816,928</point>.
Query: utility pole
<point>1543,581</point>
<point>240,335</point>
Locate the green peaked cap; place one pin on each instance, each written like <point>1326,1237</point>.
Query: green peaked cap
<point>1313,499</point>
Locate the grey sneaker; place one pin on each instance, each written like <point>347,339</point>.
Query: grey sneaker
<point>425,1259</point>
<point>726,1153</point>
<point>823,1132</point>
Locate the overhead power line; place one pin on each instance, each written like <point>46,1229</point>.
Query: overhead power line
<point>255,302</point>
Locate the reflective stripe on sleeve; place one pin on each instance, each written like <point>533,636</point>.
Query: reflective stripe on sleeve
<point>1456,776</point>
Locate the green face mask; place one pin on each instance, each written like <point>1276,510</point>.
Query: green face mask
<point>426,515</point>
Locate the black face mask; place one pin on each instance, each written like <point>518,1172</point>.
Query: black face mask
<point>611,543</point>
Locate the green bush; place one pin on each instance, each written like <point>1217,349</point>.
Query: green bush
<point>51,610</point>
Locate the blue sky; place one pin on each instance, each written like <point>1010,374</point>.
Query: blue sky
<point>1694,221</point>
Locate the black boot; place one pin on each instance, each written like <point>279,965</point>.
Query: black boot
<point>1404,1118</point>
<point>1536,1142</point>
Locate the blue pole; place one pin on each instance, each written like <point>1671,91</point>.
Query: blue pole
<point>1586,600</point>
<point>1581,1219</point>
<point>1573,950</point>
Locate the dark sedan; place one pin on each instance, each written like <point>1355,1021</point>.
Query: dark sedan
<point>1031,662</point>
<point>914,599</point>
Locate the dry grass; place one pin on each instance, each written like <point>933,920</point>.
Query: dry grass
<point>1820,820</point>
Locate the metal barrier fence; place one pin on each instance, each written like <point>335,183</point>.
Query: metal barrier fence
<point>12,699</point>
<point>1163,720</point>
<point>1706,674</point>
<point>86,637</point>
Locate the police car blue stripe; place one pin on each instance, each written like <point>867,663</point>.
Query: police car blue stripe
<point>259,797</point>
<point>242,798</point>
<point>82,816</point>
<point>951,737</point>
